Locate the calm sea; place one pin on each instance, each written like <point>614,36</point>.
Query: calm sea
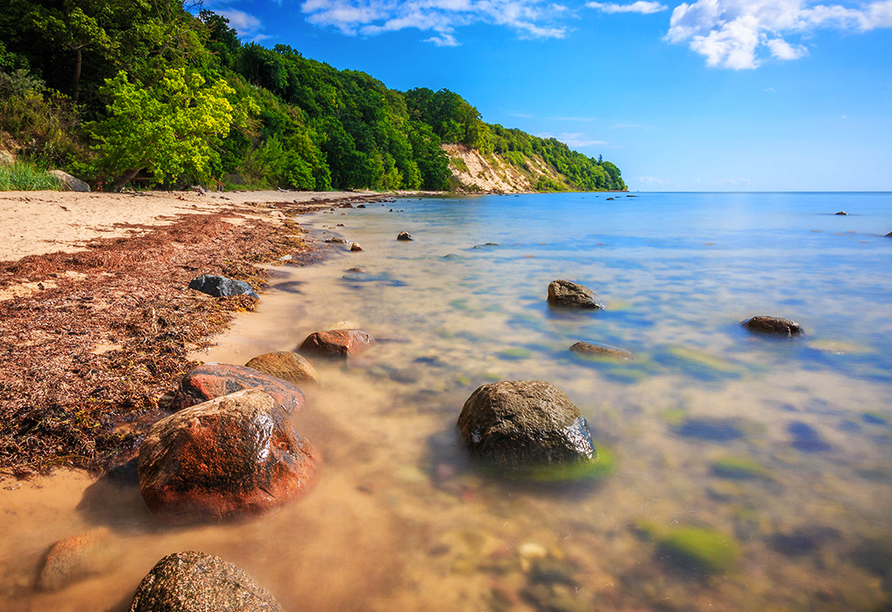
<point>750,473</point>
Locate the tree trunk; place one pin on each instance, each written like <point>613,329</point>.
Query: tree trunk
<point>77,73</point>
<point>126,178</point>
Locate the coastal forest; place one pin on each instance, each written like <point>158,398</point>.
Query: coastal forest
<point>155,93</point>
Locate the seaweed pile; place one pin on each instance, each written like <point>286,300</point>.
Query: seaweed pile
<point>87,358</point>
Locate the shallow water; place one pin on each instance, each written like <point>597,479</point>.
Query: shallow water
<point>401,520</point>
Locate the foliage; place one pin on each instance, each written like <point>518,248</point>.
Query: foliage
<point>168,129</point>
<point>23,176</point>
<point>181,112</point>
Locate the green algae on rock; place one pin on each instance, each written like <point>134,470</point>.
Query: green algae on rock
<point>700,549</point>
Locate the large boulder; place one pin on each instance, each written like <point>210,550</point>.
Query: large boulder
<point>198,582</point>
<point>404,236</point>
<point>287,365</point>
<point>233,456</point>
<point>567,294</point>
<point>525,424</point>
<point>773,325</point>
<point>213,380</point>
<point>221,286</point>
<point>336,343</point>
<point>68,182</point>
<point>600,351</point>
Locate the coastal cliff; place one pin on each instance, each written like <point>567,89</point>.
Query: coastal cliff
<point>476,172</point>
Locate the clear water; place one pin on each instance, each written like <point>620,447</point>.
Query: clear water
<point>401,520</point>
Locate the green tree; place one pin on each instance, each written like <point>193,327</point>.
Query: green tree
<point>170,128</point>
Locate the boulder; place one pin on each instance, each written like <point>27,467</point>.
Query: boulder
<point>773,325</point>
<point>221,286</point>
<point>525,424</point>
<point>842,212</point>
<point>336,343</point>
<point>587,349</point>
<point>567,294</point>
<point>404,236</point>
<point>198,582</point>
<point>213,380</point>
<point>72,559</point>
<point>355,247</point>
<point>237,455</point>
<point>68,182</point>
<point>287,365</point>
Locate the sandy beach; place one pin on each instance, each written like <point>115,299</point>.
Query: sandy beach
<point>95,313</point>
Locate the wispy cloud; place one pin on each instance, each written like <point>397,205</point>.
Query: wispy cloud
<point>641,7</point>
<point>245,24</point>
<point>742,34</point>
<point>653,181</point>
<point>529,18</point>
<point>576,140</point>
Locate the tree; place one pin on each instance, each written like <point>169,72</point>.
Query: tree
<point>170,128</point>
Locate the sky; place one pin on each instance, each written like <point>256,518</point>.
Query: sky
<point>706,95</point>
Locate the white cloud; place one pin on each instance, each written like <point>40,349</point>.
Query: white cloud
<point>529,18</point>
<point>653,181</point>
<point>242,22</point>
<point>642,7</point>
<point>738,34</point>
<point>576,140</point>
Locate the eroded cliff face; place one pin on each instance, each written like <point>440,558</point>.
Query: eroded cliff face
<point>478,173</point>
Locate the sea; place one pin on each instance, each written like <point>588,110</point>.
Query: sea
<point>742,471</point>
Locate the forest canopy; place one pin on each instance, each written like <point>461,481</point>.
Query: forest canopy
<point>148,92</point>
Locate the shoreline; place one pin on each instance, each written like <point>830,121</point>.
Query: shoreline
<point>99,320</point>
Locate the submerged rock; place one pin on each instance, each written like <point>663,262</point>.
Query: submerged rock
<point>587,349</point>
<point>221,286</point>
<point>700,550</point>
<point>404,236</point>
<point>806,438</point>
<point>842,212</point>
<point>233,456</point>
<point>287,365</point>
<point>213,380</point>
<point>567,294</point>
<point>78,557</point>
<point>773,325</point>
<point>336,240</point>
<point>525,424</point>
<point>198,582</point>
<point>336,343</point>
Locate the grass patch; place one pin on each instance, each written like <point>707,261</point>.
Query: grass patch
<point>22,176</point>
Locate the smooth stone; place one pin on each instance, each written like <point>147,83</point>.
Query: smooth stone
<point>842,212</point>
<point>68,182</point>
<point>221,286</point>
<point>287,365</point>
<point>194,581</point>
<point>213,380</point>
<point>355,247</point>
<point>567,294</point>
<point>587,349</point>
<point>525,424</point>
<point>336,343</point>
<point>78,557</point>
<point>234,456</point>
<point>773,325</point>
<point>336,240</point>
<point>404,236</point>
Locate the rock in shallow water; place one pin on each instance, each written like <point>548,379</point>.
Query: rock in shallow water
<point>587,349</point>
<point>213,380</point>
<point>567,294</point>
<point>287,365</point>
<point>525,424</point>
<point>336,343</point>
<point>234,456</point>
<point>198,582</point>
<point>404,236</point>
<point>773,325</point>
<point>72,559</point>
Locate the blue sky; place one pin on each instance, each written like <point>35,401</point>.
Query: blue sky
<point>708,95</point>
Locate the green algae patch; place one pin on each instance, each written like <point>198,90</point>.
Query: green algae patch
<point>740,468</point>
<point>702,550</point>
<point>515,353</point>
<point>705,364</point>
<point>596,469</point>
<point>838,347</point>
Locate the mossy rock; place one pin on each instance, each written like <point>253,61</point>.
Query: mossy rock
<point>700,549</point>
<point>740,468</point>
